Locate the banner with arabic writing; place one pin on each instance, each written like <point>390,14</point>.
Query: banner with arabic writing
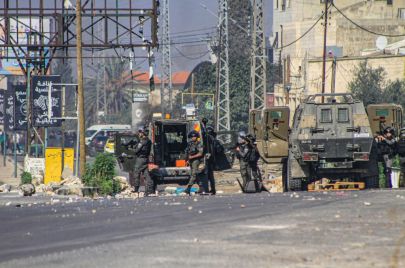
<point>40,87</point>
<point>20,107</point>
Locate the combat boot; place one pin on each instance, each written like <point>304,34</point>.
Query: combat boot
<point>188,190</point>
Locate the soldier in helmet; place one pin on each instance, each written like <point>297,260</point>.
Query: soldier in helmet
<point>210,156</point>
<point>142,152</point>
<point>195,157</point>
<point>242,153</point>
<point>253,157</point>
<point>387,144</point>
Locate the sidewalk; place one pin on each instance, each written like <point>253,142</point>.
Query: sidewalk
<point>7,172</point>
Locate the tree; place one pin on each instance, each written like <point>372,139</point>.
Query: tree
<point>111,77</point>
<point>368,84</point>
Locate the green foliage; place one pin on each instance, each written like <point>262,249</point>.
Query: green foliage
<point>113,78</point>
<point>26,178</point>
<point>396,162</point>
<point>101,173</point>
<point>368,84</point>
<point>381,175</point>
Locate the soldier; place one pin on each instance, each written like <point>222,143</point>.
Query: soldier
<point>387,148</point>
<point>242,152</point>
<point>142,151</point>
<point>210,156</point>
<point>253,157</point>
<point>195,156</point>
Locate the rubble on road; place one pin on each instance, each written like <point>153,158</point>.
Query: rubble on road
<point>5,188</point>
<point>27,189</point>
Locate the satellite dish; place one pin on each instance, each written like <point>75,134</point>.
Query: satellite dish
<point>381,42</point>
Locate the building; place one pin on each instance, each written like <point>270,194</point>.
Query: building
<point>145,101</point>
<point>298,33</point>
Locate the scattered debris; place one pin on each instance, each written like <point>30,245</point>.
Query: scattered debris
<point>242,206</point>
<point>27,189</point>
<point>5,188</point>
<point>367,203</point>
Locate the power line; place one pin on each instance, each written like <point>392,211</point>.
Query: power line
<point>365,29</point>
<point>188,57</point>
<point>302,36</point>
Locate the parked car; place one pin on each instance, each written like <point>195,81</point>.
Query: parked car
<point>109,146</point>
<point>97,145</point>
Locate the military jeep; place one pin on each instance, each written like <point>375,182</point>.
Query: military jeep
<point>167,163</point>
<point>332,140</point>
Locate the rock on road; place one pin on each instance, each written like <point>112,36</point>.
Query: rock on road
<point>334,229</point>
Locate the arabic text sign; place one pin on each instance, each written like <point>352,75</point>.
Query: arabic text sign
<point>2,106</point>
<point>20,105</point>
<point>40,87</point>
<point>9,110</point>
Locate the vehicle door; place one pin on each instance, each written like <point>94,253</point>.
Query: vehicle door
<point>126,157</point>
<point>276,127</point>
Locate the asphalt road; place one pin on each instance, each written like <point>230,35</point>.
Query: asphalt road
<point>335,229</point>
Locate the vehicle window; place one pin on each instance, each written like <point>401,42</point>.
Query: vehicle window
<point>275,114</point>
<point>381,112</point>
<point>326,116</point>
<point>343,115</point>
<point>90,133</point>
<point>174,137</point>
<point>100,134</point>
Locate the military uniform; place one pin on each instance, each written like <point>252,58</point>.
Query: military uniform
<point>242,155</point>
<point>387,149</point>
<point>194,148</point>
<point>142,152</point>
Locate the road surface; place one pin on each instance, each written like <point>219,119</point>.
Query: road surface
<point>334,229</point>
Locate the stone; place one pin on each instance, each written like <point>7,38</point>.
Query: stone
<point>37,180</point>
<point>27,189</point>
<point>124,185</point>
<point>71,180</point>
<point>70,190</point>
<point>5,188</point>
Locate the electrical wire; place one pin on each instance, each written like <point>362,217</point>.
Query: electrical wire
<point>363,28</point>
<point>302,36</point>
<point>188,57</point>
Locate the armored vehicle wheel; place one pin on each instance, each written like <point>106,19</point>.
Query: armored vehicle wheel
<point>372,182</point>
<point>293,184</point>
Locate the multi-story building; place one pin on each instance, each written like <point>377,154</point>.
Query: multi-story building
<point>353,28</point>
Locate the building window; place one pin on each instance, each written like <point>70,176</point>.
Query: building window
<point>326,116</point>
<point>389,2</point>
<point>343,115</point>
<point>401,13</point>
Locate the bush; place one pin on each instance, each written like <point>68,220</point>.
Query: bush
<point>101,173</point>
<point>26,178</point>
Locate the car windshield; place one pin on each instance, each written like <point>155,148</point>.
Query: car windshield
<point>89,133</point>
<point>102,138</point>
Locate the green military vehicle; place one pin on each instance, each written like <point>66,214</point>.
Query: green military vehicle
<point>167,163</point>
<point>271,128</point>
<point>384,115</point>
<point>332,140</point>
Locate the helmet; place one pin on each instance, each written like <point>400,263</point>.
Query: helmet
<point>251,138</point>
<point>193,134</point>
<point>241,136</point>
<point>143,130</point>
<point>389,130</point>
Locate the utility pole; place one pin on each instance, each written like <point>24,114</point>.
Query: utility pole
<point>333,82</point>
<point>166,77</point>
<point>223,118</point>
<point>258,90</point>
<point>325,31</point>
<point>80,90</point>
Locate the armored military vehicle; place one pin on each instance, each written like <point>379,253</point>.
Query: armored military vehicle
<point>167,163</point>
<point>384,115</point>
<point>331,139</point>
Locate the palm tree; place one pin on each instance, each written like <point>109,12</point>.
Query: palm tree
<point>112,77</point>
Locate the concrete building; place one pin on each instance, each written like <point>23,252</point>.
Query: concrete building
<point>347,43</point>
